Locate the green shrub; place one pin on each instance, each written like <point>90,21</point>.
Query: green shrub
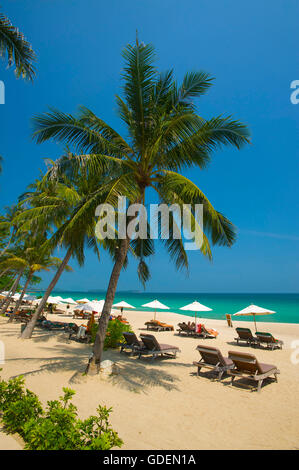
<point>20,411</point>
<point>96,432</point>
<point>60,429</point>
<point>114,334</point>
<point>11,391</point>
<point>56,428</point>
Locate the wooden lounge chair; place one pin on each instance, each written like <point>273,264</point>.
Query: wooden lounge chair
<point>77,333</point>
<point>186,329</point>
<point>211,358</point>
<point>245,335</point>
<point>269,340</point>
<point>247,365</point>
<point>81,315</point>
<point>21,316</point>
<point>132,343</point>
<point>56,325</point>
<point>153,348</point>
<point>206,332</point>
<point>158,326</point>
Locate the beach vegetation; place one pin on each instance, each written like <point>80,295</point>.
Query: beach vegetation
<point>114,334</point>
<point>57,427</point>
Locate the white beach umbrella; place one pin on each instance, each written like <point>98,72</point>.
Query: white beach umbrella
<point>57,297</point>
<point>156,304</point>
<point>69,300</point>
<point>86,308</point>
<point>29,298</point>
<point>83,301</point>
<point>91,307</point>
<point>4,293</point>
<point>196,307</point>
<point>123,304</point>
<point>52,300</point>
<point>254,310</point>
<point>16,296</point>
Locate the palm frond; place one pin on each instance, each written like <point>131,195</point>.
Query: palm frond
<point>181,190</point>
<point>18,50</point>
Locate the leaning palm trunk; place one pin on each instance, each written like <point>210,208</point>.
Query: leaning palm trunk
<point>8,284</point>
<point>19,301</point>
<point>4,272</point>
<point>93,366</point>
<point>27,333</point>
<point>11,293</point>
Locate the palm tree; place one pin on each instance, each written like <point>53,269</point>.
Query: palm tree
<point>50,204</point>
<point>8,229</point>
<point>18,267</point>
<point>36,261</point>
<point>31,259</point>
<point>59,201</point>
<point>18,50</point>
<point>166,136</point>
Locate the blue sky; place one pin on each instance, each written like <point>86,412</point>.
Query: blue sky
<point>250,49</point>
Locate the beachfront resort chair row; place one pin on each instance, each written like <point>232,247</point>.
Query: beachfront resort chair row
<point>199,331</point>
<point>237,364</point>
<point>245,335</point>
<point>148,346</point>
<point>158,326</point>
<point>25,316</point>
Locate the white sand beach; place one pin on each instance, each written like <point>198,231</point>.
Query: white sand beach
<point>162,404</point>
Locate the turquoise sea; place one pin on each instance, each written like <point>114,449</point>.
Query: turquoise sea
<point>286,305</point>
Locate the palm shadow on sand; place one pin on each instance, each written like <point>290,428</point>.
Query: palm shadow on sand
<point>135,375</point>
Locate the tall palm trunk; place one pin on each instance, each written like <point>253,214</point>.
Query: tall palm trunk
<point>93,365</point>
<point>27,333</point>
<point>12,292</point>
<point>19,301</point>
<point>3,288</point>
<point>8,285</point>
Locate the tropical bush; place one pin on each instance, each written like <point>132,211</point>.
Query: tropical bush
<point>57,427</point>
<point>10,392</point>
<point>17,414</point>
<point>114,335</point>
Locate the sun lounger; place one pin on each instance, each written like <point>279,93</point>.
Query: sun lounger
<point>245,335</point>
<point>211,358</point>
<point>204,332</point>
<point>269,340</point>
<point>81,315</point>
<point>247,365</point>
<point>132,343</point>
<point>56,325</point>
<point>158,326</point>
<point>186,329</point>
<point>153,348</point>
<point>21,316</point>
<point>78,333</point>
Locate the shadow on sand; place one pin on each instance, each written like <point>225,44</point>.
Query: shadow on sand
<point>135,375</point>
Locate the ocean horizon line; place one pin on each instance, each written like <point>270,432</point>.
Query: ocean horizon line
<point>169,292</point>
